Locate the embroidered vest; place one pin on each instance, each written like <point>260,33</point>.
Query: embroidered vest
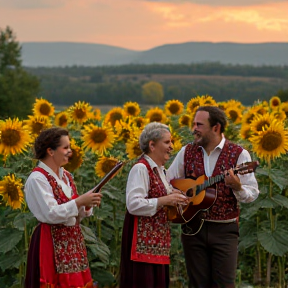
<point>151,237</point>
<point>225,206</point>
<point>70,253</point>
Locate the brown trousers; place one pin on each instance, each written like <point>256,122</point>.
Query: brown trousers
<point>211,255</point>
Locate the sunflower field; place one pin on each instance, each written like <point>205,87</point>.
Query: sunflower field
<point>99,141</point>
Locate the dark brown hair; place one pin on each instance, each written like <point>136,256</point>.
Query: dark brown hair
<point>49,138</point>
<point>216,115</point>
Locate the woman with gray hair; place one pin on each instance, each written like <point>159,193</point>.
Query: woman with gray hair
<point>146,233</point>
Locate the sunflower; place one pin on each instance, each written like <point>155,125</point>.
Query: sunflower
<point>123,129</point>
<point>275,102</point>
<point>279,114</point>
<point>97,114</point>
<point>11,191</point>
<point>80,112</point>
<point>97,138</point>
<point>245,131</point>
<point>173,107</point>
<point>61,119</point>
<point>132,109</point>
<point>43,108</point>
<point>133,148</point>
<point>284,107</point>
<point>207,100</point>
<point>261,122</point>
<point>76,159</point>
<point>193,104</point>
<point>114,115</point>
<point>272,142</point>
<point>234,114</point>
<point>185,120</point>
<point>36,124</point>
<point>104,165</point>
<point>156,115</point>
<point>14,138</point>
<point>233,103</point>
<point>139,122</point>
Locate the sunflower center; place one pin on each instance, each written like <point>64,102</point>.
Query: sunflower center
<point>174,108</point>
<point>157,117</point>
<point>185,120</point>
<point>115,117</point>
<point>12,191</point>
<point>194,105</point>
<point>108,165</point>
<point>131,110</point>
<point>37,127</point>
<point>275,103</point>
<point>98,136</point>
<point>79,113</point>
<point>10,137</point>
<point>271,141</point>
<point>45,109</point>
<point>62,120</point>
<point>233,115</point>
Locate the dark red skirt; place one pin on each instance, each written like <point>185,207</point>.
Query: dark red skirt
<point>139,274</point>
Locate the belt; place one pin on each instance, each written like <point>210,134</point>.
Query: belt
<point>222,221</point>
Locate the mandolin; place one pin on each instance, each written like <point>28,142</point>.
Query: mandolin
<point>201,193</point>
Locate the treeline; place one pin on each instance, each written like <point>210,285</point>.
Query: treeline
<point>115,85</point>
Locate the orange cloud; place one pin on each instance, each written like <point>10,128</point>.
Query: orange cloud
<point>143,24</point>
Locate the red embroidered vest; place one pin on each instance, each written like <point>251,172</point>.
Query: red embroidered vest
<point>225,206</point>
<point>151,237</point>
<point>70,253</point>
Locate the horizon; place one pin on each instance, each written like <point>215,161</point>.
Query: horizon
<point>102,44</point>
<point>144,24</point>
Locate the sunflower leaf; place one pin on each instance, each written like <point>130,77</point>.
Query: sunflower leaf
<point>10,237</point>
<point>279,178</point>
<point>10,260</point>
<point>274,242</point>
<point>280,200</point>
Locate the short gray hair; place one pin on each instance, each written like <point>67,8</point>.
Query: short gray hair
<point>152,132</point>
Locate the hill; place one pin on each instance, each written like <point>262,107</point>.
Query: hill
<point>55,54</point>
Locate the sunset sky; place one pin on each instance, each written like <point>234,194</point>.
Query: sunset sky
<point>141,25</point>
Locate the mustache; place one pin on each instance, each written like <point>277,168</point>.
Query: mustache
<point>194,132</point>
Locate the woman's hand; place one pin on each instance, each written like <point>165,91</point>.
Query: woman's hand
<point>89,199</point>
<point>173,199</point>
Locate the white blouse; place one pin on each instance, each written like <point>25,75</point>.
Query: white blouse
<point>138,185</point>
<point>42,203</point>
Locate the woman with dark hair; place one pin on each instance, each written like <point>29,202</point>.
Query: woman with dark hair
<point>146,232</point>
<point>57,255</point>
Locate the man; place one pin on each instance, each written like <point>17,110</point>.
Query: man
<point>211,249</point>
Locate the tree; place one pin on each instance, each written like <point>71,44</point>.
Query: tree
<point>18,89</point>
<point>152,93</point>
<point>283,95</point>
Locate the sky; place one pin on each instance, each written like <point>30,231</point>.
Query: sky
<point>145,24</point>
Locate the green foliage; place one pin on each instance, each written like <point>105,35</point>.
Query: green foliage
<point>18,89</point>
<point>119,84</point>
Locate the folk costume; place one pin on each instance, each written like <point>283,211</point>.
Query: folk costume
<point>146,233</point>
<point>57,255</point>
<point>211,252</point>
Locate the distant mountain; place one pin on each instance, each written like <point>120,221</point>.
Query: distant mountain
<point>51,54</point>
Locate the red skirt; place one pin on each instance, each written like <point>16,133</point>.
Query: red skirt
<point>41,271</point>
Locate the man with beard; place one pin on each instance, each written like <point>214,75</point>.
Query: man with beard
<point>210,237</point>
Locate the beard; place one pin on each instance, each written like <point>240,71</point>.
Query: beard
<point>202,141</point>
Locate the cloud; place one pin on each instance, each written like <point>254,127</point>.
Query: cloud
<point>221,2</point>
<point>189,15</point>
<point>31,4</point>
